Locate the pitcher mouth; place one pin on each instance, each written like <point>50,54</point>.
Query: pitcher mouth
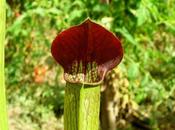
<point>90,73</point>
<point>80,72</point>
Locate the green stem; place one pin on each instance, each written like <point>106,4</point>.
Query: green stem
<point>81,107</point>
<point>3,110</point>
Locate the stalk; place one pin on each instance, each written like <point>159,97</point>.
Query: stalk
<point>86,57</point>
<point>3,109</point>
<point>81,107</point>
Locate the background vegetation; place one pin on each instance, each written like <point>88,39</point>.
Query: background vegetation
<point>35,86</point>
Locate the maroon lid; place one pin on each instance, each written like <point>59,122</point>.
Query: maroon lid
<point>86,52</point>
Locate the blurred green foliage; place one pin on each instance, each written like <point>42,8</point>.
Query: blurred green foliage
<point>33,79</point>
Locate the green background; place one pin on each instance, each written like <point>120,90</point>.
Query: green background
<point>34,82</point>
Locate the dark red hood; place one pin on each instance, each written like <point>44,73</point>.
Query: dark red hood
<point>85,48</point>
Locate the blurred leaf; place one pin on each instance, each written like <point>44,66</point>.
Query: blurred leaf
<point>142,14</point>
<point>133,70</point>
<point>126,35</point>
